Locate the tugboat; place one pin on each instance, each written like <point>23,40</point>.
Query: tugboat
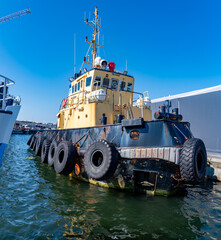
<point>106,137</point>
<point>9,109</point>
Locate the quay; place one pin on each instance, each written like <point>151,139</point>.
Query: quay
<point>214,167</point>
<point>28,127</point>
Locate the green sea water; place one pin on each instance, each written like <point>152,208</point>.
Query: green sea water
<point>37,203</point>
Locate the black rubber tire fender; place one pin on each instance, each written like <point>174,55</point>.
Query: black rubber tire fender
<point>30,139</point>
<point>44,150</point>
<point>51,153</point>
<point>193,161</point>
<point>39,141</point>
<point>101,160</point>
<point>32,143</point>
<point>65,158</point>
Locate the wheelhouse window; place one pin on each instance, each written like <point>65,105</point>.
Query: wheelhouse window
<point>79,85</point>
<point>122,86</point>
<point>114,84</point>
<point>129,87</point>
<point>88,81</point>
<point>97,81</point>
<point>106,82</point>
<point>75,87</point>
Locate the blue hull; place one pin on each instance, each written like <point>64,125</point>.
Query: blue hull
<point>2,149</point>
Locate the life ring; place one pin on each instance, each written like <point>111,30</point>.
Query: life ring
<point>193,161</point>
<point>101,160</point>
<point>64,102</point>
<point>65,158</point>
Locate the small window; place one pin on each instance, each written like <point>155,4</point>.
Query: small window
<point>88,81</point>
<point>79,84</point>
<point>97,81</point>
<point>122,86</point>
<point>114,84</point>
<point>106,82</point>
<point>75,87</point>
<point>129,87</point>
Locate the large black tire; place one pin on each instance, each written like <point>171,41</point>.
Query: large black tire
<point>193,161</point>
<point>29,140</point>
<point>101,160</point>
<point>44,150</point>
<point>32,143</point>
<point>65,158</point>
<point>39,141</point>
<point>51,153</point>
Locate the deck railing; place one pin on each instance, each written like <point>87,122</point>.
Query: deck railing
<point>83,97</point>
<point>4,96</point>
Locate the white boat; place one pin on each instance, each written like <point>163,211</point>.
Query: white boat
<point>9,109</point>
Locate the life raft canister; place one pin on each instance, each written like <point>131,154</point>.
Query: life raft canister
<point>64,102</point>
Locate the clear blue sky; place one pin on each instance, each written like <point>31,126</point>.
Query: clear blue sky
<point>171,46</point>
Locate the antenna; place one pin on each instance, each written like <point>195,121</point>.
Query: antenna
<point>103,39</point>
<point>74,52</point>
<point>93,42</point>
<point>98,40</point>
<point>103,47</point>
<point>99,26</point>
<point>84,16</point>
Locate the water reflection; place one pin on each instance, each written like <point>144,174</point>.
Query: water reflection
<point>37,203</point>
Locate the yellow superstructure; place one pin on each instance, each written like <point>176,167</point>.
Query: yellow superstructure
<point>100,96</point>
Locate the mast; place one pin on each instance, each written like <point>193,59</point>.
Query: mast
<point>93,43</point>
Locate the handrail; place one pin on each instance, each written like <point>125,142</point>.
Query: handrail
<point>6,82</point>
<point>10,82</point>
<point>76,96</point>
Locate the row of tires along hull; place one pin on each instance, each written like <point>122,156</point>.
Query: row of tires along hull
<point>101,159</point>
<point>102,163</point>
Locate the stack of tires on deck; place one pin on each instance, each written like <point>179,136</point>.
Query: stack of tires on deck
<point>100,159</point>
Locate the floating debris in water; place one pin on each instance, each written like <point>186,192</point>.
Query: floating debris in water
<point>31,158</point>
